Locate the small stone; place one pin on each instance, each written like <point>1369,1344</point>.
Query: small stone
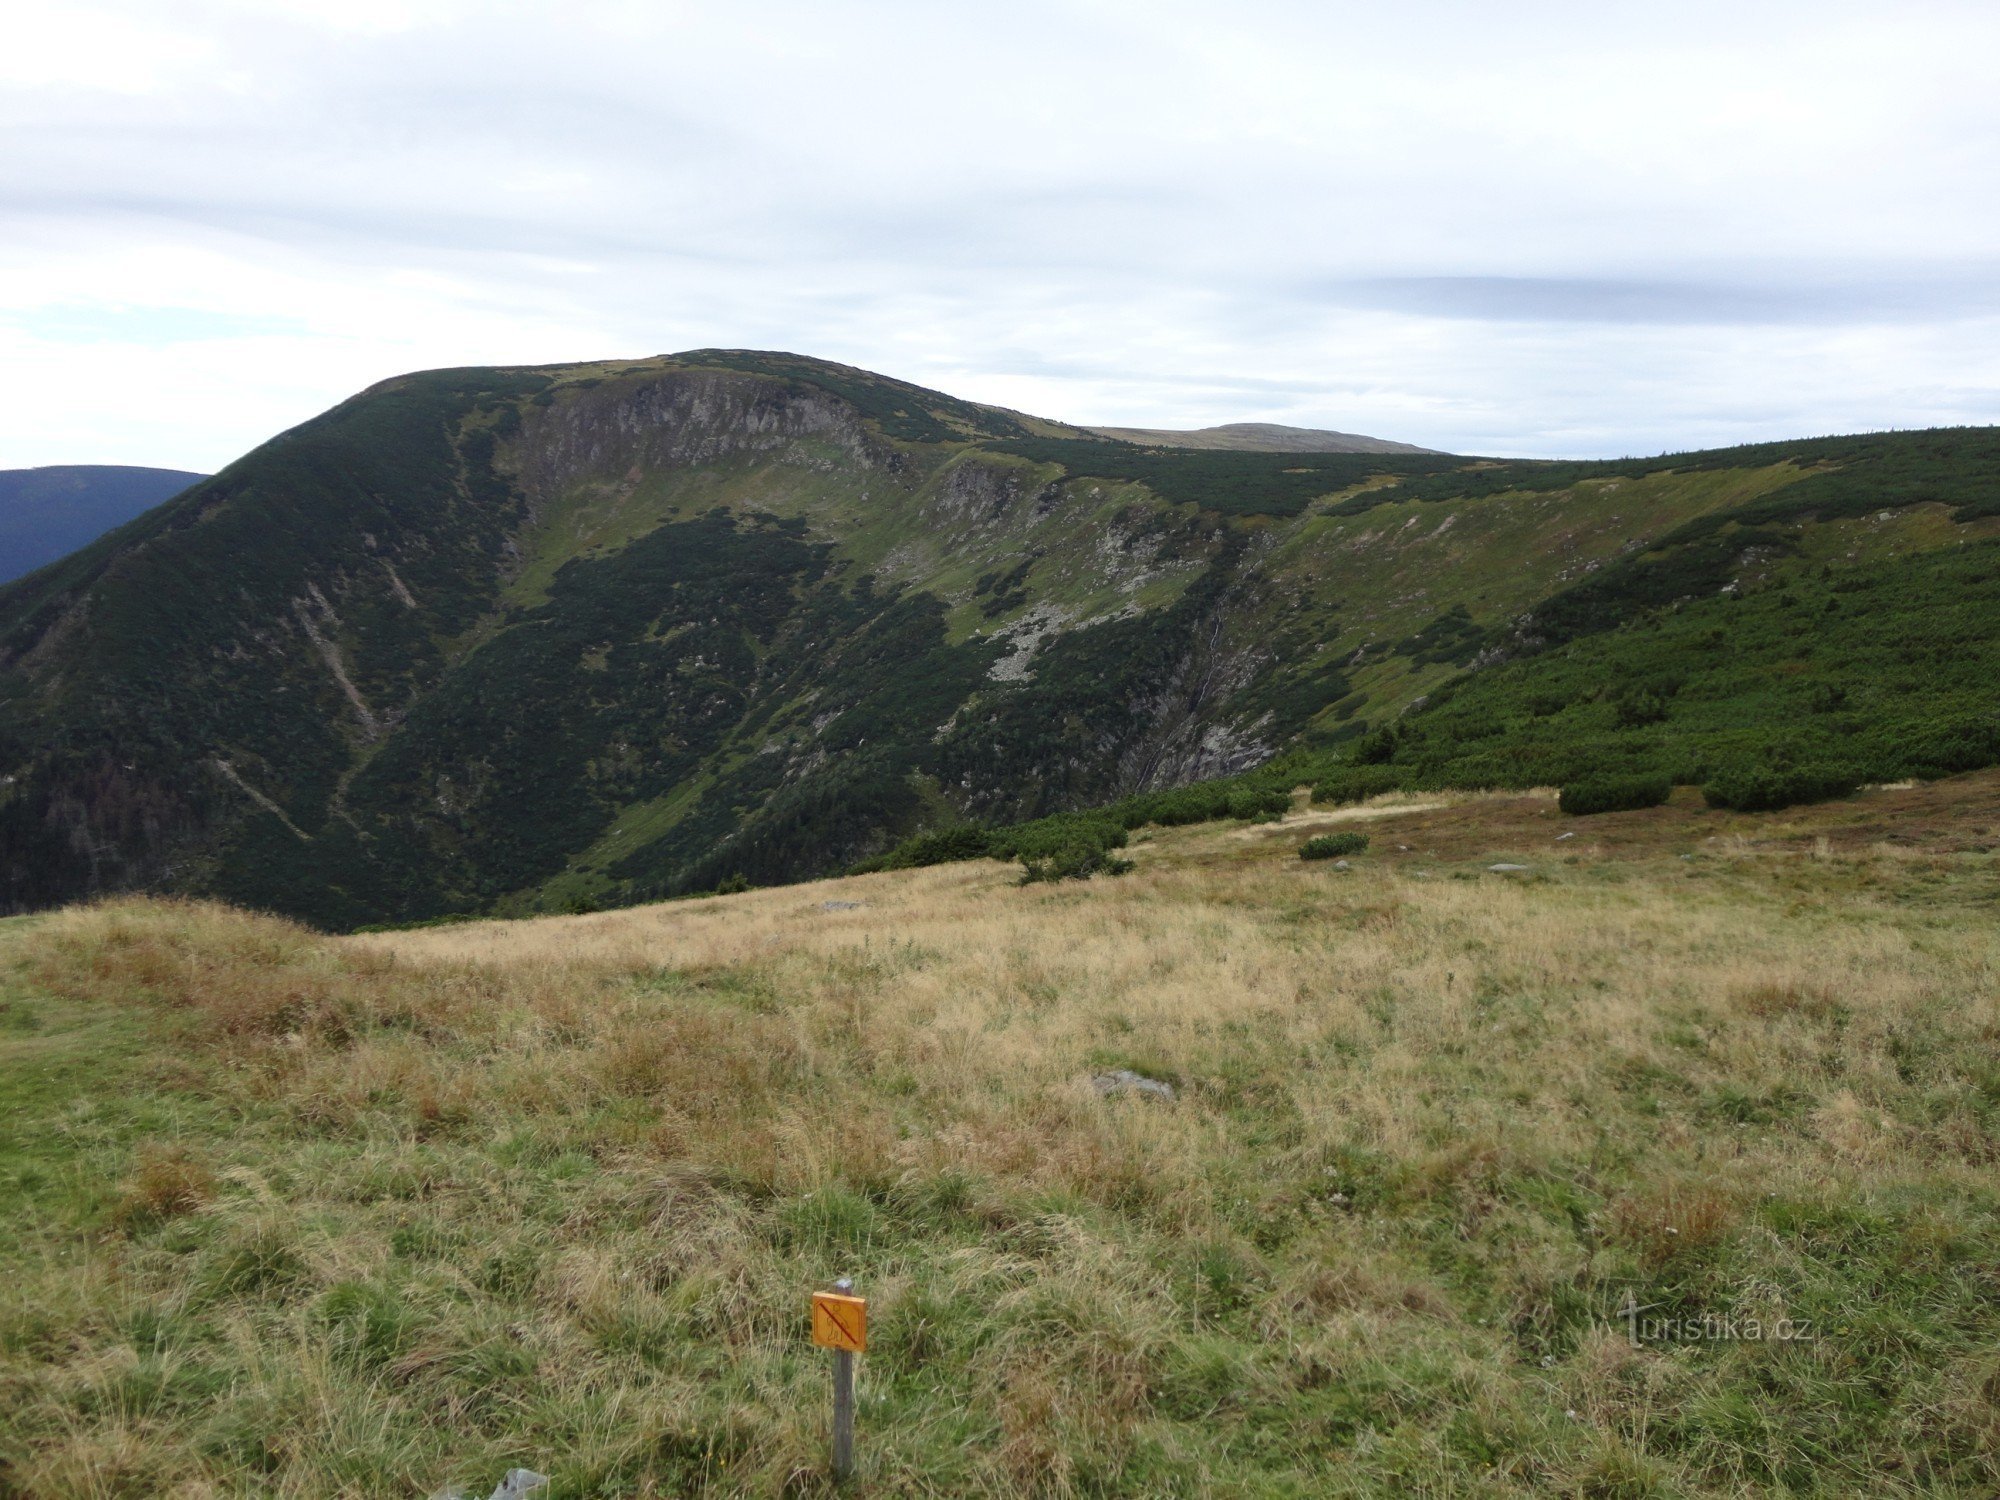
<point>1506,869</point>
<point>1125,1080</point>
<point>842,905</point>
<point>1570,835</point>
<point>1341,864</point>
<point>519,1484</point>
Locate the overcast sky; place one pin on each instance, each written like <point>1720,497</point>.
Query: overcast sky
<point>1557,229</point>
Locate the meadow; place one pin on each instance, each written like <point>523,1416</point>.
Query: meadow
<point>286,1214</point>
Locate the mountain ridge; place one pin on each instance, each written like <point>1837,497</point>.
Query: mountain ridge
<point>512,639</point>
<point>1259,437</point>
<point>49,511</point>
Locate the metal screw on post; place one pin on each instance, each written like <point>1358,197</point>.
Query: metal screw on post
<point>840,1323</point>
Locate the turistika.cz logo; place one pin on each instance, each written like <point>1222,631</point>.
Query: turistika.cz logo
<point>1707,1327</point>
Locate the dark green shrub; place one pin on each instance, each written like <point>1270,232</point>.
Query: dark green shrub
<point>1378,746</point>
<point>1766,788</point>
<point>1264,804</point>
<point>1636,709</point>
<point>1184,804</point>
<point>1968,744</point>
<point>1333,845</point>
<point>1072,861</point>
<point>1046,836</point>
<point>939,847</point>
<point>1357,783</point>
<point>1602,794</point>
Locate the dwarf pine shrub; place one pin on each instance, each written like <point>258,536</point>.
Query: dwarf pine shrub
<point>1602,794</point>
<point>1766,788</point>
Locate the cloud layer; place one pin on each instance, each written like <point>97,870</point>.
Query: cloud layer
<point>1549,229</point>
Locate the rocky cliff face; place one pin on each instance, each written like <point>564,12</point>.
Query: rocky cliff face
<point>681,419</point>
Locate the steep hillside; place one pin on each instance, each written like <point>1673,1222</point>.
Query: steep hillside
<point>49,512</point>
<point>521,639</point>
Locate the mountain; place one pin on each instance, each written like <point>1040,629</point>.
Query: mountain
<point>48,512</point>
<point>508,640</point>
<point>1257,437</point>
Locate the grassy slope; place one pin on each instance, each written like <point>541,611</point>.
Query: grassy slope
<point>1389,572</point>
<point>1884,668</point>
<point>316,1217</point>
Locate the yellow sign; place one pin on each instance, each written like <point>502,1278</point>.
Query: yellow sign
<point>840,1322</point>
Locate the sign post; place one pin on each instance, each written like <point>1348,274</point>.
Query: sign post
<point>840,1323</point>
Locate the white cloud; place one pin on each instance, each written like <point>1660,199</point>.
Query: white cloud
<point>1535,228</point>
<point>87,50</point>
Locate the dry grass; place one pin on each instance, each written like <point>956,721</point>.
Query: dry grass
<point>554,1191</point>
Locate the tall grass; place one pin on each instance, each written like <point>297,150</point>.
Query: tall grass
<point>375,1214</point>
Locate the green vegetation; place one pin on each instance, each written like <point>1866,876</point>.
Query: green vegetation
<point>1759,788</point>
<point>1257,796</point>
<point>1230,483</point>
<point>1333,845</point>
<point>1602,794</point>
<point>1819,680</point>
<point>1076,860</point>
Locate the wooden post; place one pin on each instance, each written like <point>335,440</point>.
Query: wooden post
<point>843,1414</point>
<point>840,1323</point>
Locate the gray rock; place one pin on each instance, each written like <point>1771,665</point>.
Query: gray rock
<point>1341,864</point>
<point>1507,869</point>
<point>1126,1081</point>
<point>1570,835</point>
<point>518,1485</point>
<point>842,905</point>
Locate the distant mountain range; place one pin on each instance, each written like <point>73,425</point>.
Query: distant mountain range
<point>1258,437</point>
<point>50,512</point>
<point>520,639</point>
